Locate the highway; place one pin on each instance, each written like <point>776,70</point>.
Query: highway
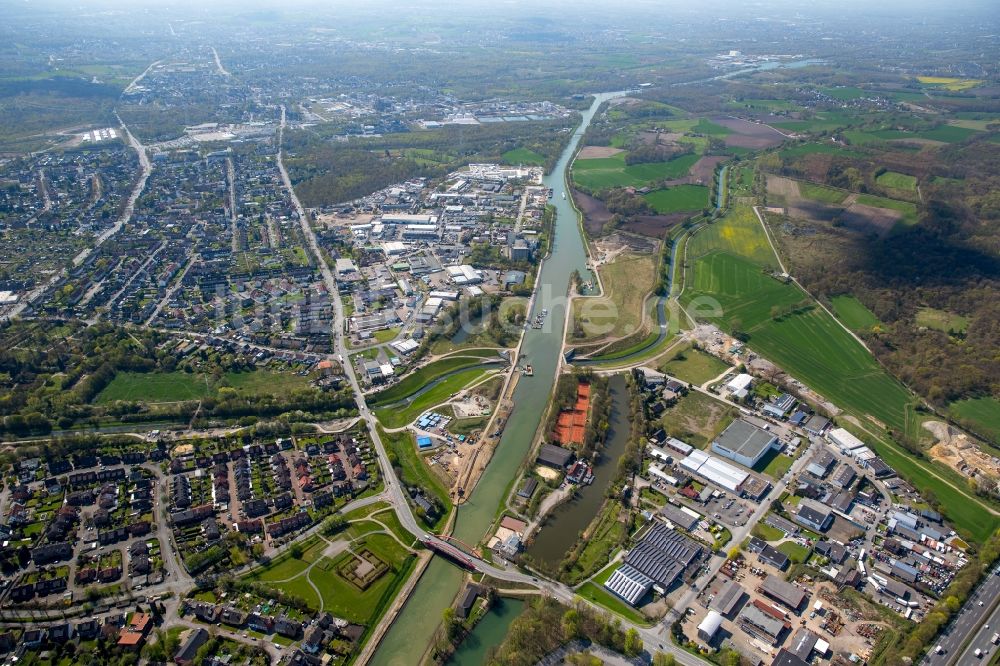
<point>970,623</point>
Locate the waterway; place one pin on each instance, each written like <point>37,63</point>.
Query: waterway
<point>488,633</point>
<point>564,524</point>
<point>439,584</point>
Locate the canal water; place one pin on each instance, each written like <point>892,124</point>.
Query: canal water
<point>488,633</point>
<point>412,630</point>
<point>567,520</point>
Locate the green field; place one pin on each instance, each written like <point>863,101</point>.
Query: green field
<point>422,375</point>
<point>156,387</point>
<point>944,133</point>
<point>897,181</point>
<point>178,386</point>
<point>983,413</point>
<point>853,313</point>
<point>523,156</point>
<point>604,172</point>
<point>795,552</point>
<point>709,128</point>
<point>693,366</point>
<point>804,149</point>
<point>824,121</point>
<point>765,104</point>
<point>821,193</point>
<point>940,320</point>
<point>908,209</point>
<point>681,198</point>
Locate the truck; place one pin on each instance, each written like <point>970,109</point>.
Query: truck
<point>996,638</point>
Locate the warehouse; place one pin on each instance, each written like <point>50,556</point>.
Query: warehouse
<point>709,626</point>
<point>813,515</point>
<point>554,456</point>
<point>715,470</point>
<point>745,443</point>
<point>786,593</point>
<point>664,554</point>
<point>844,440</point>
<point>757,623</point>
<point>464,274</point>
<point>680,516</point>
<point>727,598</point>
<point>629,584</point>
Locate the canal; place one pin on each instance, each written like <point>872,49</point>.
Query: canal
<point>412,630</point>
<point>487,633</point>
<point>567,520</point>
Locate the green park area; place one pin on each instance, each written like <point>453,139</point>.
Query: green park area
<point>397,415</point>
<point>942,320</point>
<point>853,313</point>
<point>412,469</point>
<point>679,199</point>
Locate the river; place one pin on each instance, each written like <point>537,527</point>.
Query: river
<point>567,520</point>
<point>439,584</point>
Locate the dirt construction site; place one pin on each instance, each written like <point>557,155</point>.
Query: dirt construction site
<point>960,451</point>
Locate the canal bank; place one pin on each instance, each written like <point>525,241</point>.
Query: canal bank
<point>415,625</point>
<point>563,526</point>
<point>488,632</point>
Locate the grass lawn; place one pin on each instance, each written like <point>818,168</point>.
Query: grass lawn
<point>693,366</point>
<point>821,193</point>
<point>386,334</point>
<point>678,199</point>
<point>774,464</point>
<point>897,181</point>
<point>604,538</point>
<point>264,382</point>
<point>421,376</point>
<point>940,320</point>
<point>795,552</point>
<point>766,532</point>
<point>398,415</point>
<point>618,311</point>
<point>853,313</point>
<point>523,156</point>
<point>156,387</point>
<point>984,413</point>
<point>403,450</point>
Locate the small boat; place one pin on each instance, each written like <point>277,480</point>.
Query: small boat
<point>528,371</point>
<point>564,195</point>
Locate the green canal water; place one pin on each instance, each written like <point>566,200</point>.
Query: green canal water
<point>488,632</point>
<point>410,633</point>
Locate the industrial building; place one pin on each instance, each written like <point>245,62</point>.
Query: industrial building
<point>629,584</point>
<point>745,443</point>
<point>728,598</point>
<point>813,515</point>
<point>664,555</point>
<point>554,456</point>
<point>715,470</point>
<point>784,592</point>
<point>709,626</point>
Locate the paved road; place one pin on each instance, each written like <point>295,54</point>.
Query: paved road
<point>970,624</point>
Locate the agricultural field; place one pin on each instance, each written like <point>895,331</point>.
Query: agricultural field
<point>821,193</point>
<point>853,313</point>
<point>943,133</point>
<point>949,83</point>
<point>907,208</point>
<point>982,413</point>
<point>619,310</point>
<point>693,366</point>
<point>897,181</point>
<point>803,149</point>
<point>678,199</point>
<point>940,320</point>
<point>601,173</point>
<point>822,121</point>
<point>740,234</point>
<point>523,156</point>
